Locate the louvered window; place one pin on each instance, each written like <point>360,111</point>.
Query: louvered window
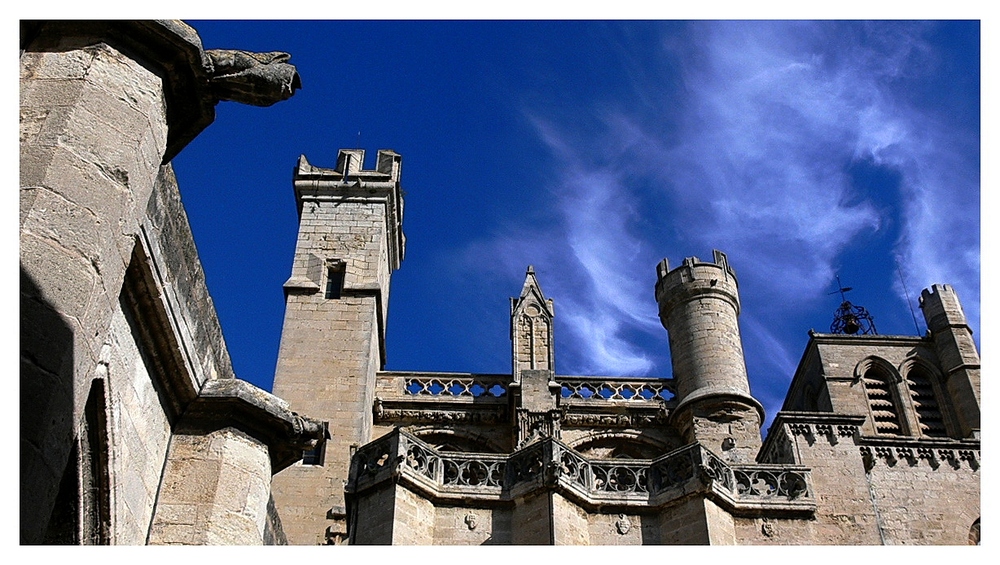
<point>925,403</point>
<point>885,410</point>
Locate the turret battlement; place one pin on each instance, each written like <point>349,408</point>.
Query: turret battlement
<point>695,277</point>
<point>317,187</point>
<point>350,167</point>
<point>941,307</point>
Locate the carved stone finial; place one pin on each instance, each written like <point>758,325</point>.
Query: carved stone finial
<point>258,79</point>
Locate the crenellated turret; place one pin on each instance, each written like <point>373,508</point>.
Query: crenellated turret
<point>699,306</point>
<point>956,351</point>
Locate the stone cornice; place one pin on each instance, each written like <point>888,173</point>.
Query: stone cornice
<point>235,403</point>
<point>172,50</point>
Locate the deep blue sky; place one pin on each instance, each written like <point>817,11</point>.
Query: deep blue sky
<point>592,150</point>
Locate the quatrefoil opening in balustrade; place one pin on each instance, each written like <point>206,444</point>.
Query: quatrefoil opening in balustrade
<point>615,391</point>
<point>454,387</point>
<point>619,478</point>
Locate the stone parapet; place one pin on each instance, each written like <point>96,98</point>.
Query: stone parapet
<point>593,484</point>
<point>380,186</point>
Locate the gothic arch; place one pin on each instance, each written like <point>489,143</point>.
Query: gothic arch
<point>620,445</point>
<point>445,439</point>
<point>809,401</point>
<point>923,386</point>
<point>880,381</point>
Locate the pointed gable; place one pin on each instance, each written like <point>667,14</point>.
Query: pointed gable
<point>531,328</point>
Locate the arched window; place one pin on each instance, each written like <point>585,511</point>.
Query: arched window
<point>974,533</point>
<point>447,440</point>
<point>879,387</point>
<point>925,402</point>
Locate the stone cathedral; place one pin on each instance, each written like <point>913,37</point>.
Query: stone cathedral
<point>135,430</point>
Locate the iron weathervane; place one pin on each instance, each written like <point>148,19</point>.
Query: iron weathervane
<point>851,319</point>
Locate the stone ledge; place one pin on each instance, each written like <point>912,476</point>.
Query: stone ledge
<point>170,48</point>
<point>233,402</point>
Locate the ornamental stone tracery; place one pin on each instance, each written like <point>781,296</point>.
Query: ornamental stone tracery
<point>552,464</point>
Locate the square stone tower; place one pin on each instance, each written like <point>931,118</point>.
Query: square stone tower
<point>333,340</point>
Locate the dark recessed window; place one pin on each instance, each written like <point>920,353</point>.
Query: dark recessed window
<point>334,281</point>
<point>314,456</point>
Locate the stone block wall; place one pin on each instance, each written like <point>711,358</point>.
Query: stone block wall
<point>471,525</point>
<point>328,351</point>
<point>627,528</point>
<point>92,133</point>
<point>844,513</point>
<point>690,523</point>
<point>946,492</point>
<point>374,521</point>
<point>531,518</point>
<point>215,490</point>
<point>139,431</point>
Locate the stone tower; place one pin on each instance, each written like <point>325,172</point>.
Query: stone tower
<point>957,352</point>
<point>699,305</point>
<point>333,339</point>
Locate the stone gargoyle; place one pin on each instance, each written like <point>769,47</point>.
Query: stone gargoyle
<point>258,79</point>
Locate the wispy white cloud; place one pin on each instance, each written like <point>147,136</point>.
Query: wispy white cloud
<point>588,259</point>
<point>777,113</point>
<point>767,121</point>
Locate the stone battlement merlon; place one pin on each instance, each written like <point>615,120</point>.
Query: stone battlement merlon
<point>942,308</point>
<point>696,277</point>
<point>351,162</point>
<point>382,185</point>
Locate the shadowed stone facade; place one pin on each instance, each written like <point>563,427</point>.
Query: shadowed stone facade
<point>134,429</point>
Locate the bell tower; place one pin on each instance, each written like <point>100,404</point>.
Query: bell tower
<point>333,340</point>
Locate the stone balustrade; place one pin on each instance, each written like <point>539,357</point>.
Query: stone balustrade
<point>598,389</point>
<point>549,463</point>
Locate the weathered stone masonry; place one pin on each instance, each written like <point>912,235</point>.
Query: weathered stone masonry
<point>873,426</point>
<point>134,429</point>
<point>130,411</point>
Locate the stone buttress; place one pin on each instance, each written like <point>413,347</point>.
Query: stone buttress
<point>124,372</point>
